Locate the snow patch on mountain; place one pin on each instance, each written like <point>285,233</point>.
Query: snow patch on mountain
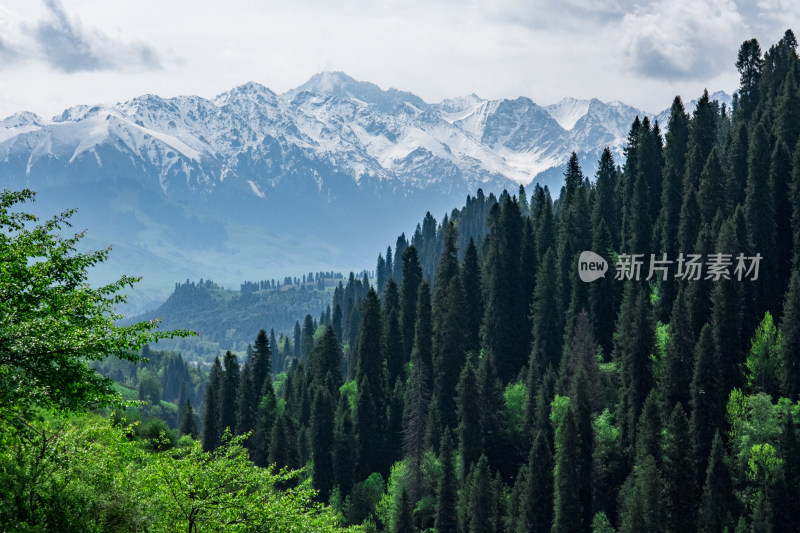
<point>568,111</point>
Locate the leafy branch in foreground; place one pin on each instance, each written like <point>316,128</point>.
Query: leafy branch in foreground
<point>51,320</point>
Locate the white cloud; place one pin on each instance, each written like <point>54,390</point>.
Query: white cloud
<point>681,39</point>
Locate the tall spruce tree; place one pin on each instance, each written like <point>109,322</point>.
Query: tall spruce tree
<point>370,405</point>
<point>545,333</point>
<point>392,335</point>
<point>307,338</point>
<point>229,393</point>
<point>322,427</point>
<point>716,503</point>
<point>447,494</point>
<point>448,333</point>
<point>470,434</point>
<point>211,428</point>
<point>680,485</point>
<point>536,502</point>
<point>790,329</point>
<point>262,360</point>
<point>567,507</point>
<point>412,277</point>
<point>246,402</point>
<point>473,298</point>
<point>188,423</point>
<point>705,397</point>
<point>325,361</point>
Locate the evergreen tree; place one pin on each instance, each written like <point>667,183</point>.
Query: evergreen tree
<point>229,393</point>
<point>536,502</point>
<point>606,210</point>
<point>380,274</point>
<point>545,333</point>
<point>705,398</point>
<point>680,496</point>
<point>504,315</point>
<point>603,295</point>
<point>473,298</point>
<point>680,354</point>
<point>543,222</point>
<point>392,337</point>
<point>567,507</point>
<point>648,434</point>
<point>336,321</point>
<point>583,422</point>
<point>262,360</point>
<point>264,421</point>
<point>344,444</point>
<point>446,511</point>
<point>405,516</point>
<point>246,402</point>
<point>716,503</point>
<point>760,217</point>
<point>481,498</point>
<point>325,361</point>
<point>749,63</point>
<point>711,195</point>
<point>296,340</point>
<point>470,434</point>
<point>737,163</point>
<point>307,338</point>
<point>633,343</point>
<point>412,277</point>
<point>642,509</point>
<point>211,415</point>
<point>188,424</point>
<point>414,417</point>
<point>283,450</point>
<point>790,330</point>
<point>448,333</point>
<point>322,427</point>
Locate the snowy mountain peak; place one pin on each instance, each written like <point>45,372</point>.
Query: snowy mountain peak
<point>340,85</point>
<point>21,120</point>
<point>568,111</point>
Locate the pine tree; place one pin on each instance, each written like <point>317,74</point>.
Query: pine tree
<point>737,166</point>
<point>545,334</point>
<point>283,450</point>
<point>716,503</point>
<point>606,210</point>
<point>380,274</point>
<point>543,222</point>
<point>760,217</point>
<point>412,277</point>
<point>705,398</point>
<point>473,298</point>
<point>307,338</point>
<point>481,498</point>
<point>325,361</point>
<point>712,186</point>
<point>583,423</point>
<point>679,474</point>
<point>405,516</point>
<point>790,329</point>
<point>262,360</point>
<point>641,495</point>
<point>749,63</point>
<point>503,316</point>
<point>648,434</point>
<point>603,295</point>
<point>392,336</point>
<point>446,511</point>
<point>344,444</point>
<point>470,434</point>
<point>229,393</point>
<point>264,420</point>
<point>680,354</point>
<point>246,402</point>
<point>448,333</point>
<point>188,424</point>
<point>536,502</point>
<point>336,321</point>
<point>322,427</point>
<point>567,508</point>
<point>297,337</point>
<point>414,417</point>
<point>633,343</point>
<point>211,428</point>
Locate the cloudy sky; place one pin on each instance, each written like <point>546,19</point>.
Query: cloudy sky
<point>58,53</point>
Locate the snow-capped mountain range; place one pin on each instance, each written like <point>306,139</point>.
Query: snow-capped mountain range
<point>254,184</point>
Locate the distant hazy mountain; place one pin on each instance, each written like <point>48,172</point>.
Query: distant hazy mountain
<point>256,185</point>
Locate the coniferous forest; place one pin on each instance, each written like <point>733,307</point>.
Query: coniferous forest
<point>479,384</point>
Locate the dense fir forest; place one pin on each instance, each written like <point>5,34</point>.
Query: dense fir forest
<point>479,385</point>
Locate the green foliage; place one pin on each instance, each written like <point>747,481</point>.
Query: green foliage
<point>52,322</point>
<point>515,396</point>
<point>81,473</point>
<point>558,408</point>
<point>764,360</point>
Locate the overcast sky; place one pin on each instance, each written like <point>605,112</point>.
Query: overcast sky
<point>59,53</point>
